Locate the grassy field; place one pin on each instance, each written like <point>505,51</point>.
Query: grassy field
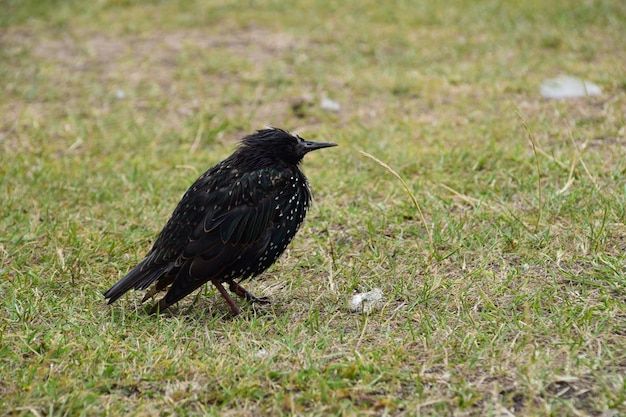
<point>506,298</point>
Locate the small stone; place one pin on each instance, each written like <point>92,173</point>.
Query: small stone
<point>301,105</point>
<point>328,104</point>
<point>366,302</point>
<point>568,87</point>
<point>261,353</point>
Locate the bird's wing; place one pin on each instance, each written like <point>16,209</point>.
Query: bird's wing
<point>234,231</point>
<point>241,212</point>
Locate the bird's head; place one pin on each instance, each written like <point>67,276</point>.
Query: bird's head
<point>274,143</point>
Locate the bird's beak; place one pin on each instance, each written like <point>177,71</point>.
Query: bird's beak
<point>308,146</point>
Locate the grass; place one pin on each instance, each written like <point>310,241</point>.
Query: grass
<point>505,296</point>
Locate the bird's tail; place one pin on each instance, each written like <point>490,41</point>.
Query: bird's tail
<point>139,278</point>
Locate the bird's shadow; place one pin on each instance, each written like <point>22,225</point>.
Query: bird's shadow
<point>201,309</point>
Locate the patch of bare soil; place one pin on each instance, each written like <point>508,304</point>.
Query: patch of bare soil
<point>104,53</point>
<point>85,70</point>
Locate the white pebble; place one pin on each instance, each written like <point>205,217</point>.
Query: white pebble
<point>366,302</point>
<point>564,87</point>
<point>328,104</point>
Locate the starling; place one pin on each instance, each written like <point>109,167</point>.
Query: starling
<point>232,224</point>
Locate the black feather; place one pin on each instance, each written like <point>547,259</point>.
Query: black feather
<point>232,223</point>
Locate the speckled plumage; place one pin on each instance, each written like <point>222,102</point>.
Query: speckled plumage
<point>232,224</point>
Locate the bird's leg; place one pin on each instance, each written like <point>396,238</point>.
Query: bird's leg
<point>227,297</point>
<point>245,294</point>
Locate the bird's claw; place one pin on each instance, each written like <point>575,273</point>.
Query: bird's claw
<point>260,300</point>
<point>245,294</point>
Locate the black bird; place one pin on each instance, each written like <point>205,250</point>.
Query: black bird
<point>232,224</point>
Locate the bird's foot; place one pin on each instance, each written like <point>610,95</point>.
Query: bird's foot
<point>245,294</point>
